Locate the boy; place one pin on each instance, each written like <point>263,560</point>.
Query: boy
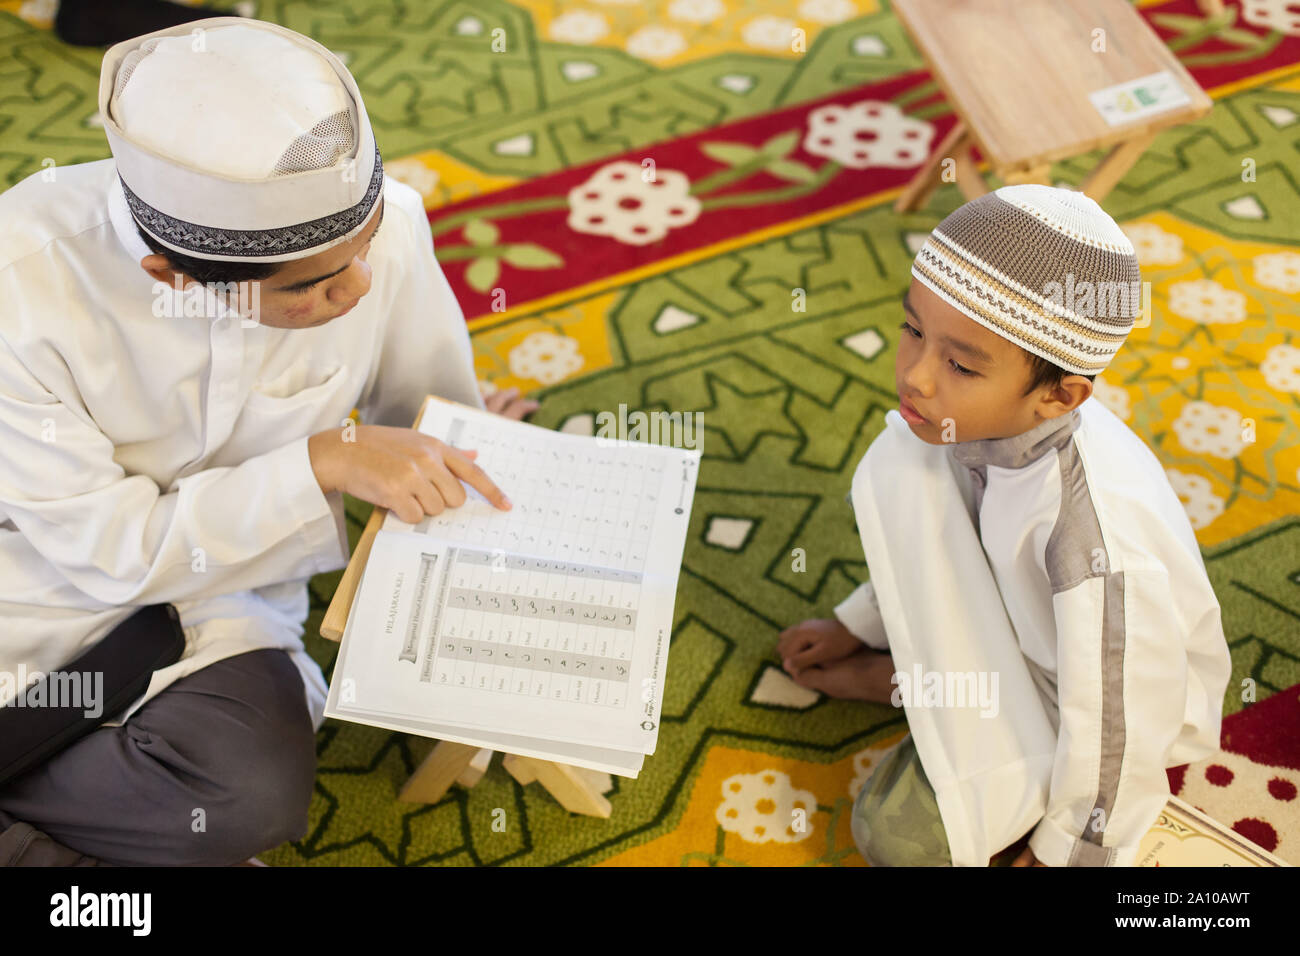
<point>186,329</point>
<point>1020,539</point>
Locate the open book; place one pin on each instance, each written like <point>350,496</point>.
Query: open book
<point>1184,836</point>
<point>542,630</point>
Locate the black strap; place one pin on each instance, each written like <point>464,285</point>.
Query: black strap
<point>110,676</point>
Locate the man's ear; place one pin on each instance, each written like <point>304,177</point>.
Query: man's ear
<point>160,269</point>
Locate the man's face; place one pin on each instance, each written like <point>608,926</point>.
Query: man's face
<point>304,292</point>
<point>966,382</point>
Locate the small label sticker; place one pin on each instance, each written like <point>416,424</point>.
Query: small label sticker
<point>1140,98</point>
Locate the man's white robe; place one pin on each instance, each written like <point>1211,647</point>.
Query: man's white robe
<point>1061,561</point>
<point>163,458</point>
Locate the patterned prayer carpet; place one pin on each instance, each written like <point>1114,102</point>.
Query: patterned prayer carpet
<point>514,119</point>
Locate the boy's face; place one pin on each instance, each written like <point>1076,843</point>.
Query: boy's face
<point>964,382</point>
<point>304,292</point>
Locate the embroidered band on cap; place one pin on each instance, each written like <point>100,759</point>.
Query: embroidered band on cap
<point>205,242</point>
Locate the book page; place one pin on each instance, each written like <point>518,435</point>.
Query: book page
<point>623,763</point>
<point>550,621</point>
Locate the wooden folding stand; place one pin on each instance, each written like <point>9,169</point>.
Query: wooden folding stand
<point>577,789</point>
<point>1018,76</point>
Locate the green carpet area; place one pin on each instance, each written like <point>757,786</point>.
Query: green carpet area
<point>791,401</point>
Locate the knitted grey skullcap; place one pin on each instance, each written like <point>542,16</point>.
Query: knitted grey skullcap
<point>1043,267</point>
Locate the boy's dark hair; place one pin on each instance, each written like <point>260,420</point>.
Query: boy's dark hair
<point>1043,373</point>
<point>204,271</point>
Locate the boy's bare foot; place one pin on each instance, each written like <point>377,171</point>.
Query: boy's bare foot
<point>863,675</point>
<point>815,642</point>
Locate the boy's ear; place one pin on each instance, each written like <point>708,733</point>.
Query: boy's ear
<point>1073,391</point>
<point>161,270</point>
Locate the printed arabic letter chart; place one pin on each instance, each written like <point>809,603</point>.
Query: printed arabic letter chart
<point>550,620</point>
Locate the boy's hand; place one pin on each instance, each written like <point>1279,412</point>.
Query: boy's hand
<point>508,404</point>
<point>405,471</point>
<point>814,642</point>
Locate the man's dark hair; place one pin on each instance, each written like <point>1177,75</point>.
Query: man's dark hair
<point>1043,373</point>
<point>204,271</point>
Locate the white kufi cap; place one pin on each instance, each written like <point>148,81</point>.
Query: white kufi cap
<point>239,140</point>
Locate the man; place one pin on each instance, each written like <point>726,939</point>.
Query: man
<point>186,329</point>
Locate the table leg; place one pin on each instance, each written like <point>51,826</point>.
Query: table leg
<point>434,777</point>
<point>576,789</point>
<point>1034,174</point>
<point>956,146</point>
<point>1107,173</point>
<point>476,769</point>
<point>969,180</point>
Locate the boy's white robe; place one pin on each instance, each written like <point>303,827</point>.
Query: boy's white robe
<point>1076,579</point>
<point>150,458</point>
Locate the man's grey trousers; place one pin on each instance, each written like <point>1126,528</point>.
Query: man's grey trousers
<point>217,768</point>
